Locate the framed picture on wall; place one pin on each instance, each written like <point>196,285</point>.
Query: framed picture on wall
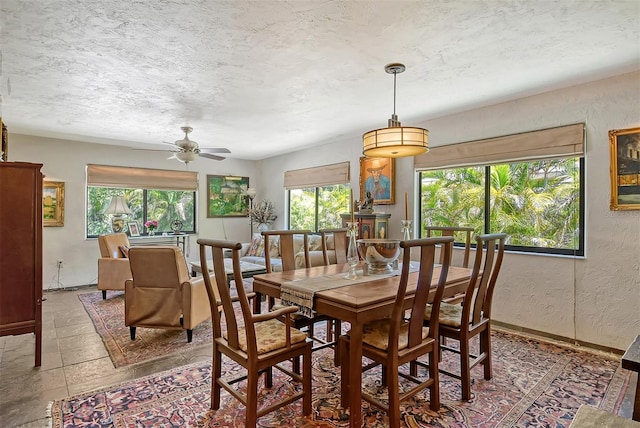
<point>227,196</point>
<point>53,203</point>
<point>625,169</point>
<point>377,176</point>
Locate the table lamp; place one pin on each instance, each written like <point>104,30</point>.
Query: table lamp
<point>117,208</point>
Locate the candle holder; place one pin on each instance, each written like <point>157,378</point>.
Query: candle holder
<point>405,229</point>
<point>406,233</point>
<point>352,250</point>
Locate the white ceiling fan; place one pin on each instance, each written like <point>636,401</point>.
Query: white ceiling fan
<point>187,150</point>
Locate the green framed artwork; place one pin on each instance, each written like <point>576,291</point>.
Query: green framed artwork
<point>227,196</point>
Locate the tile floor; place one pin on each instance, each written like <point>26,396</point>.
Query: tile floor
<point>74,360</point>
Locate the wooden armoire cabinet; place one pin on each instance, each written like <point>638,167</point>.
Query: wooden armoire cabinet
<point>21,251</point>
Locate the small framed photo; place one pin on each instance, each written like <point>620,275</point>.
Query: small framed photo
<point>133,228</point>
<point>53,203</point>
<point>377,177</point>
<point>625,169</point>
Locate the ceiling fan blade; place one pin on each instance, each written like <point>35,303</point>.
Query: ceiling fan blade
<point>210,156</point>
<point>214,150</point>
<point>157,150</point>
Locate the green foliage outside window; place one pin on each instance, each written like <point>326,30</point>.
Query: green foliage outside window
<point>165,206</point>
<point>537,204</point>
<point>318,208</point>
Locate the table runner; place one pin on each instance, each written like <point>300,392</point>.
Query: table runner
<point>300,292</point>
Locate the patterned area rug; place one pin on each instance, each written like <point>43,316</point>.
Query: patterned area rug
<point>108,318</point>
<point>535,384</point>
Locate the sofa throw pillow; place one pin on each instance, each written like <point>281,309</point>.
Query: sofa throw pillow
<point>274,247</point>
<point>330,243</point>
<point>124,250</point>
<point>255,243</point>
<point>315,242</point>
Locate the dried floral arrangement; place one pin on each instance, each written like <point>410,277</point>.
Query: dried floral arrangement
<point>263,212</point>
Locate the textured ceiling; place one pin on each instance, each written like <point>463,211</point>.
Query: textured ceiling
<point>266,77</point>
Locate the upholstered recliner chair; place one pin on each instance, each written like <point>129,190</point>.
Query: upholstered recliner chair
<point>162,294</point>
<point>113,264</point>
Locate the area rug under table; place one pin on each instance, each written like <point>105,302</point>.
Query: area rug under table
<point>535,384</point>
<point>150,343</point>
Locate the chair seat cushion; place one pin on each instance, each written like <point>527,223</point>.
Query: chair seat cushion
<point>376,334</point>
<point>270,335</point>
<point>450,315</point>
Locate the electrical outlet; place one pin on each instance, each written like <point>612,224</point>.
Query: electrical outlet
<point>59,264</point>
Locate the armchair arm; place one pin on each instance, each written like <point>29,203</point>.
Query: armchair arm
<point>195,303</point>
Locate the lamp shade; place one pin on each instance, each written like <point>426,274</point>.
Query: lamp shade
<point>118,206</point>
<point>395,142</point>
<point>251,192</point>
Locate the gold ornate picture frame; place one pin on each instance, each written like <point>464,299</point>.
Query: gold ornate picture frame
<point>377,175</point>
<point>625,168</point>
<point>4,150</point>
<point>53,203</point>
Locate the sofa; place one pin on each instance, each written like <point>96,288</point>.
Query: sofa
<point>253,252</point>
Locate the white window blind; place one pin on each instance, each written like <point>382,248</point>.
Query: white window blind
<point>141,178</point>
<point>319,176</point>
<point>562,141</point>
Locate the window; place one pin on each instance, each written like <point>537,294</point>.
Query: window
<point>164,196</point>
<point>529,186</point>
<point>165,206</point>
<point>317,196</point>
<point>318,207</point>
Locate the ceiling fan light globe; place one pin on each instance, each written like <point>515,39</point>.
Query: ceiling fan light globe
<point>187,157</point>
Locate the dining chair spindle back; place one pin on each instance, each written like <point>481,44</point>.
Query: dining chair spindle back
<point>402,338</point>
<point>257,342</point>
<point>472,317</point>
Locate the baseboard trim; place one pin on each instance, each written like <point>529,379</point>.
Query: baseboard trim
<point>565,340</point>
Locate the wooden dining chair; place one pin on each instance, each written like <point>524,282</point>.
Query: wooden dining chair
<point>257,342</point>
<point>472,317</point>
<point>336,240</point>
<point>400,339</point>
<point>454,231</point>
<point>288,256</point>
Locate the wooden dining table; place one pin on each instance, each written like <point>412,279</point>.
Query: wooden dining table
<point>357,304</point>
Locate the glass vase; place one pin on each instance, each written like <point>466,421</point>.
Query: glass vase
<point>152,233</point>
<point>352,250</point>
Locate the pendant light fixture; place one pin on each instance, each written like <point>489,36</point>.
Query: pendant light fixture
<point>396,140</point>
